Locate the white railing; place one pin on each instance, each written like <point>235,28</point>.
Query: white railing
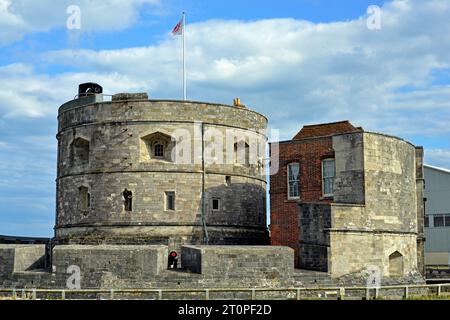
<point>297,293</point>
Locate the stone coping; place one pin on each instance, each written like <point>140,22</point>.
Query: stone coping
<point>245,248</point>
<point>74,104</point>
<point>343,134</point>
<point>108,247</point>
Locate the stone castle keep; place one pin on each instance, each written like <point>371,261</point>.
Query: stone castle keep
<point>139,178</point>
<point>118,159</point>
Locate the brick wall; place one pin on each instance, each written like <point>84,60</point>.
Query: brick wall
<point>309,153</point>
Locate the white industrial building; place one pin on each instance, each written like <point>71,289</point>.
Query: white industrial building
<point>437,216</point>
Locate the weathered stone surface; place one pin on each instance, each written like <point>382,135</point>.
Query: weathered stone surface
<point>314,244</point>
<point>376,217</point>
<point>20,258</point>
<point>130,96</point>
<point>116,138</point>
<point>239,261</point>
<point>122,261</point>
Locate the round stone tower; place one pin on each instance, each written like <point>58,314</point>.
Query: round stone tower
<point>139,171</point>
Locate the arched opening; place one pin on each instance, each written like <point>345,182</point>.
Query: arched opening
<point>80,152</point>
<point>128,200</point>
<point>396,264</point>
<point>242,153</point>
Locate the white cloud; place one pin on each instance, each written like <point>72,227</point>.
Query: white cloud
<point>26,93</point>
<point>293,71</point>
<point>297,71</point>
<point>438,158</point>
<point>19,17</point>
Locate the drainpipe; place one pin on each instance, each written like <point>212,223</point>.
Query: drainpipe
<point>205,230</point>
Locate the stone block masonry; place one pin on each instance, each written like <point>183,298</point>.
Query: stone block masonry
<point>239,261</point>
<point>126,266</point>
<point>105,148</point>
<point>20,258</point>
<point>127,262</point>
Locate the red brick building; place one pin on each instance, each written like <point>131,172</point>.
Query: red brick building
<point>305,174</point>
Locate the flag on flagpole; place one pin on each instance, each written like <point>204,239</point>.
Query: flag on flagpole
<point>178,30</point>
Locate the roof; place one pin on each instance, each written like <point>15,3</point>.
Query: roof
<point>22,240</point>
<point>437,168</point>
<point>326,129</point>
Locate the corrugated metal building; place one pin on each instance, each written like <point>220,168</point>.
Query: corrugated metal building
<point>437,219</point>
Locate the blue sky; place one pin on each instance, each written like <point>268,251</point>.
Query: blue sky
<point>297,61</point>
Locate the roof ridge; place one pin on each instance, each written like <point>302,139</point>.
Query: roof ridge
<point>326,129</point>
<point>326,124</point>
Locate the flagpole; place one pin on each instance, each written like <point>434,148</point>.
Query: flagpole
<point>184,58</point>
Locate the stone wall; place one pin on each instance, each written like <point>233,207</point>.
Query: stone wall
<point>382,232</point>
<point>115,138</point>
<point>29,258</point>
<point>220,262</point>
<point>420,189</point>
<point>349,186</point>
<point>390,183</point>
<point>133,267</point>
<point>373,219</point>
<point>352,252</point>
<point>7,253</point>
<point>314,242</point>
<point>21,258</point>
<point>120,267</point>
<point>124,262</point>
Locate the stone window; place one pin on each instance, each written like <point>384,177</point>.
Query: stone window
<point>84,199</point>
<point>426,222</point>
<point>242,153</point>
<point>159,151</point>
<point>293,180</point>
<point>128,200</point>
<point>80,152</point>
<point>396,264</point>
<point>157,146</point>
<point>328,174</point>
<point>228,181</point>
<point>216,204</point>
<point>170,201</point>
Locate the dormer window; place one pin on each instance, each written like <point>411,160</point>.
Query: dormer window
<point>157,146</point>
